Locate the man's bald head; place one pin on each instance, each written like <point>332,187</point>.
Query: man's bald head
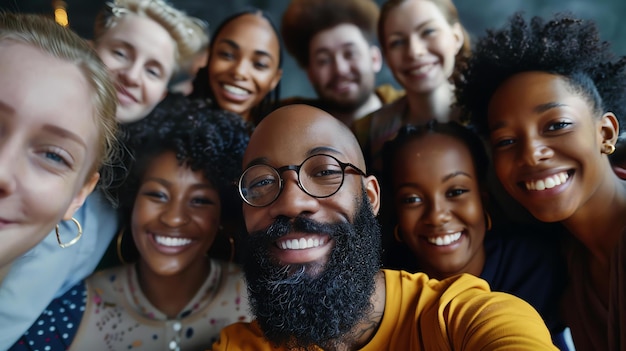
<point>301,128</point>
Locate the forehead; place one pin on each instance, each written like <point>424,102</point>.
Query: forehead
<point>30,79</point>
<point>291,134</point>
<point>336,37</point>
<point>527,91</point>
<point>144,35</point>
<point>434,154</point>
<point>412,13</point>
<point>252,30</point>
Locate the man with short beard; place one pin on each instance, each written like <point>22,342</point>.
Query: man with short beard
<point>313,269</point>
<point>334,42</point>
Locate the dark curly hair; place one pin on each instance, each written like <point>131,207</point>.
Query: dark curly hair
<point>303,19</point>
<point>202,88</point>
<point>564,45</point>
<point>204,139</point>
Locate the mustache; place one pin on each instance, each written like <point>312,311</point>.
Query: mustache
<point>283,225</point>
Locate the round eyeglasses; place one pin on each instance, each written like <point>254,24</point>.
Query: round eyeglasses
<point>319,176</point>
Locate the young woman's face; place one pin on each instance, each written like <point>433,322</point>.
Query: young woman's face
<point>439,205</point>
<point>48,145</point>
<point>176,216</point>
<point>244,64</point>
<point>420,45</point>
<point>140,54</point>
<point>546,144</point>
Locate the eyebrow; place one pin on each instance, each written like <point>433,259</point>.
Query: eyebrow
<point>417,27</point>
<point>236,46</point>
<point>324,50</point>
<point>455,174</point>
<point>64,133</point>
<point>537,110</point>
<point>167,183</point>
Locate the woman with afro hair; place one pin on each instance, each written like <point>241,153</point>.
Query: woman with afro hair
<point>172,293</point>
<point>548,95</point>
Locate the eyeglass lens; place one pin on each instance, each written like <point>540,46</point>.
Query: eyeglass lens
<point>318,176</point>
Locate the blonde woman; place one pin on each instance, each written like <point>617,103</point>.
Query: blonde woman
<point>52,145</point>
<point>143,43</point>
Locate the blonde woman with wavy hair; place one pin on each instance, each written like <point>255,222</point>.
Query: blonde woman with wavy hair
<point>57,128</point>
<point>145,43</point>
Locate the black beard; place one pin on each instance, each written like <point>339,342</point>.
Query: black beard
<point>298,310</point>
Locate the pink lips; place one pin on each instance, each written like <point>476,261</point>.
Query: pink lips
<point>124,95</point>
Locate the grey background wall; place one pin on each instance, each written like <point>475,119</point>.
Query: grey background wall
<point>476,15</point>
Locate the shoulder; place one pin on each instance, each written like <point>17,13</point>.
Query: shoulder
<point>387,93</point>
<point>242,336</point>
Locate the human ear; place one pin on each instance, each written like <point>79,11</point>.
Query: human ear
<point>276,79</point>
<point>80,198</point>
<point>459,36</point>
<point>609,129</point>
<point>372,189</point>
<point>377,58</point>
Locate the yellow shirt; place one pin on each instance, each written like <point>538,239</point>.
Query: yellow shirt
<point>459,313</point>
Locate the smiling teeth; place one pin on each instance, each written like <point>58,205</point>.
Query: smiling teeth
<point>547,183</point>
<point>300,244</point>
<point>445,239</point>
<point>235,90</point>
<point>170,241</point>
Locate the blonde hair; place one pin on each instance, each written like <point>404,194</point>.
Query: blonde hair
<point>61,43</point>
<point>190,34</point>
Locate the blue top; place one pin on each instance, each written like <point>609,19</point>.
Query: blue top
<point>48,271</point>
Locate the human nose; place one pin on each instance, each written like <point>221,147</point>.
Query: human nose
<point>8,169</point>
<point>131,74</point>
<point>437,213</point>
<point>292,200</point>
<point>534,151</point>
<point>417,47</point>
<point>240,69</point>
<point>341,65</point>
<point>174,214</point>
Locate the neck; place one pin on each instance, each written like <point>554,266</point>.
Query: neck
<point>436,104</point>
<point>365,330</point>
<point>598,224</point>
<point>4,271</point>
<point>171,293</point>
<point>372,104</point>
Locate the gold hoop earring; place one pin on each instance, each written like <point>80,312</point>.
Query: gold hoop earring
<point>74,240</point>
<point>120,236</point>
<point>488,220</point>
<point>608,149</point>
<point>396,234</point>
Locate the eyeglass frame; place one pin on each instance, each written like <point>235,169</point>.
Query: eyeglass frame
<point>297,168</point>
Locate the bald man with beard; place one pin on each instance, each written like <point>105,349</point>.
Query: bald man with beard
<point>313,270</point>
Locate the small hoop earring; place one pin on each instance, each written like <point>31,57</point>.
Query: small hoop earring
<point>608,149</point>
<point>120,236</point>
<point>488,220</point>
<point>74,240</point>
<point>396,234</point>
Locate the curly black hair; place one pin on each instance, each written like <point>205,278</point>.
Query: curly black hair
<point>203,138</point>
<point>303,19</point>
<point>564,45</point>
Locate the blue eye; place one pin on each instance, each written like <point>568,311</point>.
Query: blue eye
<point>54,157</point>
